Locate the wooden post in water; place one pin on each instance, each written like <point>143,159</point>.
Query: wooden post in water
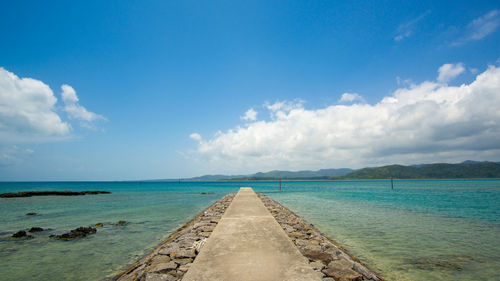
<point>392,184</point>
<point>280,185</point>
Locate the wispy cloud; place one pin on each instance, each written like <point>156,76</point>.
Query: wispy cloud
<point>75,110</point>
<point>425,122</point>
<point>480,27</point>
<point>351,97</point>
<point>407,29</point>
<point>12,155</point>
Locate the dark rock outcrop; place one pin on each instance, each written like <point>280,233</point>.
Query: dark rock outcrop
<point>122,223</point>
<point>36,229</point>
<point>50,193</point>
<point>76,233</point>
<point>31,214</point>
<point>21,234</point>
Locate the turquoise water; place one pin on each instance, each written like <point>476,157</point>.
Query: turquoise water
<point>421,230</point>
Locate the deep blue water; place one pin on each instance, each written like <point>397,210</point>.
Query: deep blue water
<point>420,230</point>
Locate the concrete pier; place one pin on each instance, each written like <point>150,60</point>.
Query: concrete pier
<point>249,244</point>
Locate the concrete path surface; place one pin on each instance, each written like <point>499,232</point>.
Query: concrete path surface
<point>248,244</point>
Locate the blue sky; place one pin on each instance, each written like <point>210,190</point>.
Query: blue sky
<point>160,89</point>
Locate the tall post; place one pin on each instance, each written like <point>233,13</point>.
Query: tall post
<point>392,184</point>
<point>280,185</point>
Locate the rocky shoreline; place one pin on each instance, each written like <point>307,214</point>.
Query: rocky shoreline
<point>325,257</point>
<point>173,257</point>
<point>51,193</point>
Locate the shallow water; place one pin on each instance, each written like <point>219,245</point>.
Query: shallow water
<point>421,230</point>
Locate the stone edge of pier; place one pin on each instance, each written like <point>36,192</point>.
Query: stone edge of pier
<point>325,255</point>
<point>185,250</point>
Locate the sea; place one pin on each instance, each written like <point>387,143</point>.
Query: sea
<point>410,230</point>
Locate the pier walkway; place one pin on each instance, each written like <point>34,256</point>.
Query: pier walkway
<point>249,244</point>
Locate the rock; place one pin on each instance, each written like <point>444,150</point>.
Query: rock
<point>314,252</point>
<point>342,270</point>
<point>184,254</point>
<point>204,234</point>
<point>204,193</point>
<point>199,244</point>
<point>207,228</point>
<point>162,267</point>
<point>159,259</point>
<point>158,277</point>
<point>36,229</point>
<point>319,274</point>
<point>121,223</point>
<point>296,235</point>
<point>50,193</point>
<point>317,265</point>
<point>185,267</point>
<point>169,249</point>
<point>183,261</point>
<point>211,193</point>
<point>31,214</point>
<point>19,234</point>
<point>76,233</point>
<point>99,224</point>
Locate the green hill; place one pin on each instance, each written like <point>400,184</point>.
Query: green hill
<point>429,171</point>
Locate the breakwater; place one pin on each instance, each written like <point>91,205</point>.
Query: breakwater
<point>328,259</point>
<point>173,258</point>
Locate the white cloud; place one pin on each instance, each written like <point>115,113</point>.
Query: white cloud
<point>75,110</point>
<point>406,29</point>
<point>449,71</point>
<point>351,97</point>
<point>250,115</point>
<point>27,109</point>
<point>480,27</point>
<point>426,122</point>
<point>195,136</point>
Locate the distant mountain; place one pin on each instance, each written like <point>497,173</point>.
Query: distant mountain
<point>273,175</point>
<point>467,169</point>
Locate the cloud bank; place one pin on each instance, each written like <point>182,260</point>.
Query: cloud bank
<point>28,110</point>
<point>426,122</point>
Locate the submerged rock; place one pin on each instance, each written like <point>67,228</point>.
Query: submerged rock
<point>20,234</point>
<point>32,214</point>
<point>76,233</point>
<point>99,224</point>
<point>36,229</point>
<point>122,223</point>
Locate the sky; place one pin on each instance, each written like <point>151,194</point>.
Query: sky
<point>132,90</point>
